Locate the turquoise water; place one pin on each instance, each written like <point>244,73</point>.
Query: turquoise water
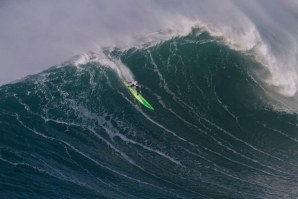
<point>76,132</point>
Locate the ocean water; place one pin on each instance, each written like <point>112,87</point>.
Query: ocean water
<point>217,131</point>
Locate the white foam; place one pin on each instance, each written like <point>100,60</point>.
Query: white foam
<point>282,74</point>
<point>104,61</point>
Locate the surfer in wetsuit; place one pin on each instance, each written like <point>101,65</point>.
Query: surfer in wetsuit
<point>136,85</point>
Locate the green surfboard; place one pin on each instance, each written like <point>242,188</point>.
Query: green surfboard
<point>139,97</point>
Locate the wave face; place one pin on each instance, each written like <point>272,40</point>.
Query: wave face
<point>76,132</point>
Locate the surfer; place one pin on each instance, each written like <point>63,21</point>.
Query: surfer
<point>136,85</point>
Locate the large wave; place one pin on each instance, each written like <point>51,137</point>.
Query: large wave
<point>75,131</point>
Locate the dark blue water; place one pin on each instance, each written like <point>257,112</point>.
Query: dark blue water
<point>76,131</point>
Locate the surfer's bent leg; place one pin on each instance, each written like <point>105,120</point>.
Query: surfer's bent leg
<point>138,90</point>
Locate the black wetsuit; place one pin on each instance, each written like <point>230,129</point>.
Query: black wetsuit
<point>137,86</point>
<point>138,89</point>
